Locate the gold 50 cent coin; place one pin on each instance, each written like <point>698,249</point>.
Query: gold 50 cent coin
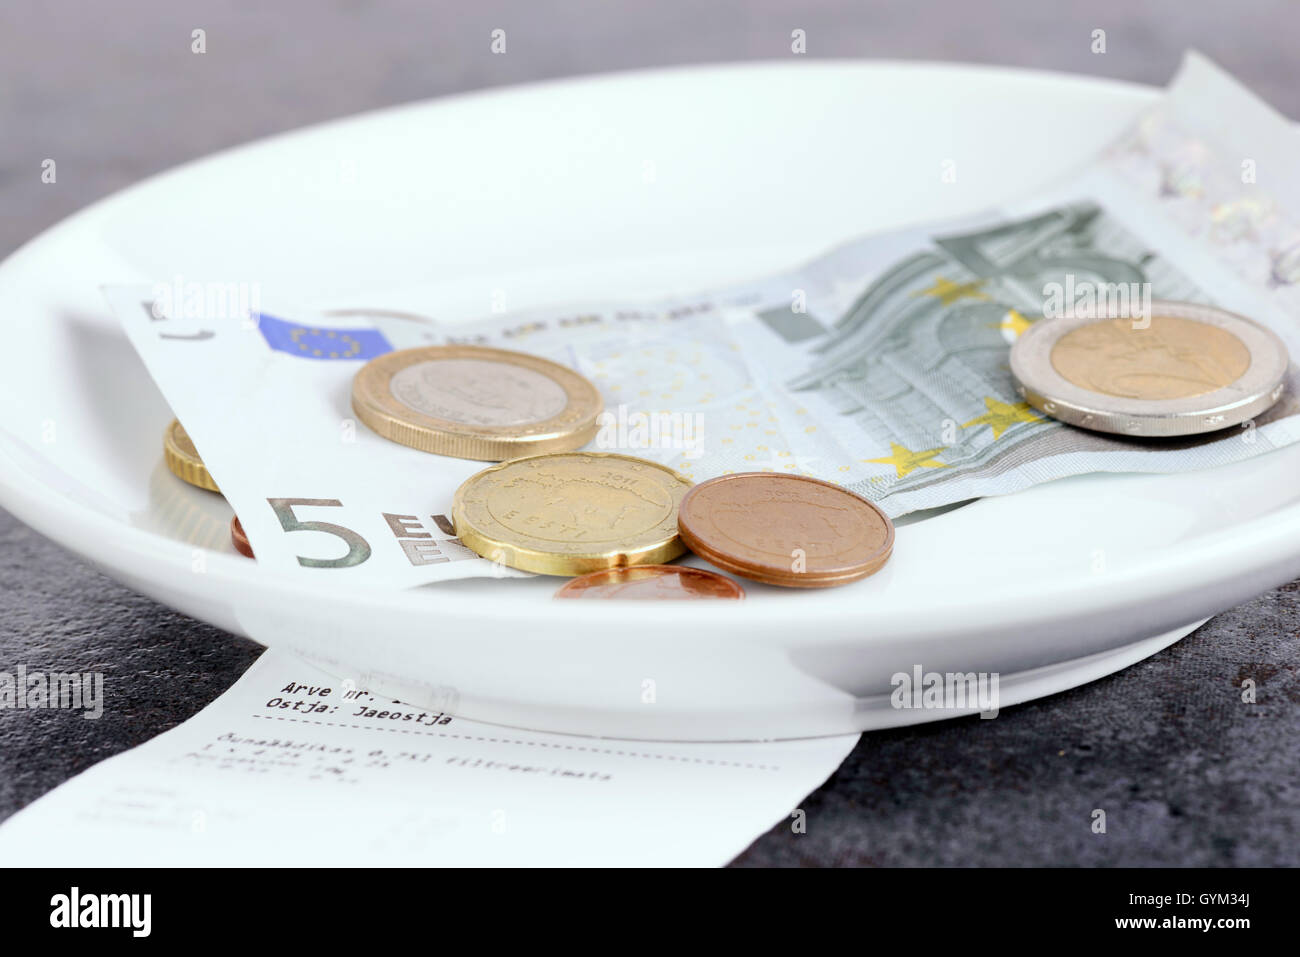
<point>571,513</point>
<point>183,458</point>
<point>473,402</point>
<point>786,530</point>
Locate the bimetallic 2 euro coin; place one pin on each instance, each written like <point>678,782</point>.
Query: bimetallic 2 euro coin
<point>570,513</point>
<point>473,402</point>
<point>1185,369</point>
<point>183,459</point>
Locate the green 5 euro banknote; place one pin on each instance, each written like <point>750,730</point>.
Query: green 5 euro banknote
<point>882,365</point>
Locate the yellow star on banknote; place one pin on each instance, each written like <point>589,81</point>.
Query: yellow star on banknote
<point>904,460</point>
<point>1012,325</point>
<point>1003,415</point>
<point>948,292</point>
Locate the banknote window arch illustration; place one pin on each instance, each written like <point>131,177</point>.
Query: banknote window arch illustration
<point>1054,242</point>
<point>878,364</point>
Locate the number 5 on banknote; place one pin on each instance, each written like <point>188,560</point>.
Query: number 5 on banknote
<point>358,547</point>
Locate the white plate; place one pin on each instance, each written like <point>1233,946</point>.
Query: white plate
<point>630,185</point>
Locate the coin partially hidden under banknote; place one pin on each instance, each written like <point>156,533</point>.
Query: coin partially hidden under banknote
<point>571,513</point>
<point>1184,369</point>
<point>239,539</point>
<point>652,583</point>
<point>473,402</point>
<point>183,459</point>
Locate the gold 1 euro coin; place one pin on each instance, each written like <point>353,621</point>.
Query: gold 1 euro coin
<point>1183,369</point>
<point>571,513</point>
<point>183,458</point>
<point>473,402</point>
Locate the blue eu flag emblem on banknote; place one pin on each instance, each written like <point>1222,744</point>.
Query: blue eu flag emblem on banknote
<point>311,342</point>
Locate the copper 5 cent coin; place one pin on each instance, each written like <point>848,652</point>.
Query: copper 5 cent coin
<point>653,583</point>
<point>787,530</point>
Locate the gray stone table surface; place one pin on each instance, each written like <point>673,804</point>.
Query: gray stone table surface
<point>1187,772</point>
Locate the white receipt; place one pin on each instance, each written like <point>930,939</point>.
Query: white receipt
<point>287,768</point>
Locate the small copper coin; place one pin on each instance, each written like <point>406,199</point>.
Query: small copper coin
<point>239,539</point>
<point>652,582</point>
<point>787,530</point>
